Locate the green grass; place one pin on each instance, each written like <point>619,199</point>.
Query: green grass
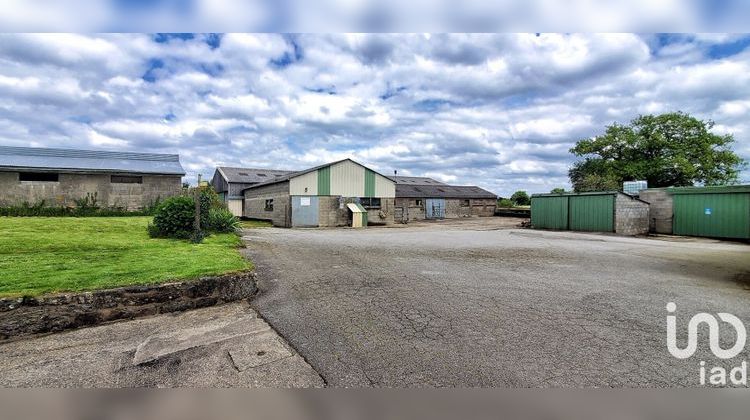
<point>53,254</point>
<point>251,224</point>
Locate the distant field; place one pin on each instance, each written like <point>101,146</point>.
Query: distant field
<point>51,254</point>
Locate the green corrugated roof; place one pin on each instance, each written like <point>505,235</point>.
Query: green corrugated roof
<point>719,189</point>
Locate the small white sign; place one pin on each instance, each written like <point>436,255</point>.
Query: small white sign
<point>707,211</point>
<point>304,201</point>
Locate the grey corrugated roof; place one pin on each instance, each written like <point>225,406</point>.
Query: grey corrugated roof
<point>251,175</point>
<point>441,191</point>
<point>71,160</point>
<point>416,180</point>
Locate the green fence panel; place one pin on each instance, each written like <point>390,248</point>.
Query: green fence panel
<point>592,213</point>
<point>324,181</point>
<point>717,215</point>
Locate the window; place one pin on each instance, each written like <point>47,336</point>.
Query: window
<point>39,176</point>
<point>465,203</point>
<point>370,202</point>
<point>261,174</point>
<point>126,179</point>
<point>243,174</point>
<point>269,204</point>
<point>418,203</point>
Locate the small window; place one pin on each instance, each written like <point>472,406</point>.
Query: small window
<point>370,202</point>
<point>269,204</point>
<point>126,179</point>
<point>465,203</point>
<point>261,174</point>
<point>39,176</point>
<point>243,174</point>
<point>418,203</point>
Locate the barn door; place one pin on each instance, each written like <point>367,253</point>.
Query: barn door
<point>304,211</point>
<point>434,208</point>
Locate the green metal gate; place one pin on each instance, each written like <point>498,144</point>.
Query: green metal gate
<point>718,212</point>
<point>590,212</point>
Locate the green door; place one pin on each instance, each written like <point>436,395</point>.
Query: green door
<point>549,212</point>
<point>714,215</point>
<point>592,213</point>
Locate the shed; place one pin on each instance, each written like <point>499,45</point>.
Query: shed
<point>229,182</point>
<point>359,215</point>
<point>604,211</point>
<point>420,198</point>
<point>718,212</point>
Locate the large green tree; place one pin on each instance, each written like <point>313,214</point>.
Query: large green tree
<point>673,149</point>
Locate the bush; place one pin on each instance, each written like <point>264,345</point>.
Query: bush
<point>85,207</point>
<point>505,203</point>
<point>520,198</point>
<point>174,218</point>
<point>222,220</point>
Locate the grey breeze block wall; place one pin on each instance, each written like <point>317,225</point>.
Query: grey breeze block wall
<point>660,209</point>
<point>76,186</point>
<point>631,216</point>
<point>255,204</point>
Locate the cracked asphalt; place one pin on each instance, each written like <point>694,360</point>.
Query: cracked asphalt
<point>476,303</point>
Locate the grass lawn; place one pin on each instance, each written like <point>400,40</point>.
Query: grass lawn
<point>50,254</point>
<point>251,224</point>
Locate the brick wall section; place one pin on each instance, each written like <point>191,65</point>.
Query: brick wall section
<point>660,209</point>
<point>255,204</point>
<point>631,216</point>
<point>75,186</point>
<point>25,316</point>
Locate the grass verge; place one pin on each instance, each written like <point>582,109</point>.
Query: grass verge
<point>55,254</point>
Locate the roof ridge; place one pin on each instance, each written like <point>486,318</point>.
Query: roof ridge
<point>83,154</point>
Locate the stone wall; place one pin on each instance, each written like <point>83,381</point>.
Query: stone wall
<point>331,213</point>
<point>407,209</point>
<point>25,316</point>
<point>660,209</point>
<point>255,204</point>
<point>72,186</point>
<point>631,216</point>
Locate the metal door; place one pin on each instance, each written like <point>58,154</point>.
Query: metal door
<point>434,208</point>
<point>712,215</point>
<point>304,211</point>
<point>592,213</point>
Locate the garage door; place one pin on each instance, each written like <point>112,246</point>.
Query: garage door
<point>304,211</point>
<point>712,215</point>
<point>592,213</point>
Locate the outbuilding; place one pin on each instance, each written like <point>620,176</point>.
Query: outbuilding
<point>419,198</point>
<point>320,197</point>
<point>717,212</point>
<point>229,182</point>
<point>605,211</point>
<point>60,177</point>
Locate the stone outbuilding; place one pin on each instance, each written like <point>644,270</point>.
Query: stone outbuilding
<point>419,198</point>
<point>59,177</point>
<point>229,182</point>
<point>320,197</point>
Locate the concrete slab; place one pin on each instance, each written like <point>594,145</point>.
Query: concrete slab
<point>266,348</point>
<point>189,349</point>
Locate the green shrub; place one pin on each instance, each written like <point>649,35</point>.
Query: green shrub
<point>222,220</point>
<point>174,218</point>
<point>505,203</point>
<point>85,207</point>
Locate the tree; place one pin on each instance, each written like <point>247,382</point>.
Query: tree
<point>520,198</point>
<point>673,149</point>
<point>557,191</point>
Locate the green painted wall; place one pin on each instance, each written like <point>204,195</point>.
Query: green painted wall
<point>718,215</point>
<point>324,181</point>
<point>592,213</point>
<point>369,183</point>
<point>549,212</point>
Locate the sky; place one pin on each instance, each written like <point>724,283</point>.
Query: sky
<point>498,111</point>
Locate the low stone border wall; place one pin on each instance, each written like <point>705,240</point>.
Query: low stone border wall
<point>44,314</point>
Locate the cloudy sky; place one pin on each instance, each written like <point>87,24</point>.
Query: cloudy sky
<point>499,111</point>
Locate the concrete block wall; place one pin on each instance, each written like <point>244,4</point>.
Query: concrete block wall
<point>330,213</point>
<point>71,187</point>
<point>631,216</point>
<point>255,204</point>
<point>660,209</point>
<point>408,210</point>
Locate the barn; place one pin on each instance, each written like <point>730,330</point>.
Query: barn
<point>419,198</point>
<point>342,193</point>
<point>60,177</point>
<point>229,182</point>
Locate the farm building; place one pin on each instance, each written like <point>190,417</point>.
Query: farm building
<point>718,212</point>
<point>342,193</point>
<point>229,182</point>
<point>606,211</point>
<point>59,177</point>
<point>419,198</point>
